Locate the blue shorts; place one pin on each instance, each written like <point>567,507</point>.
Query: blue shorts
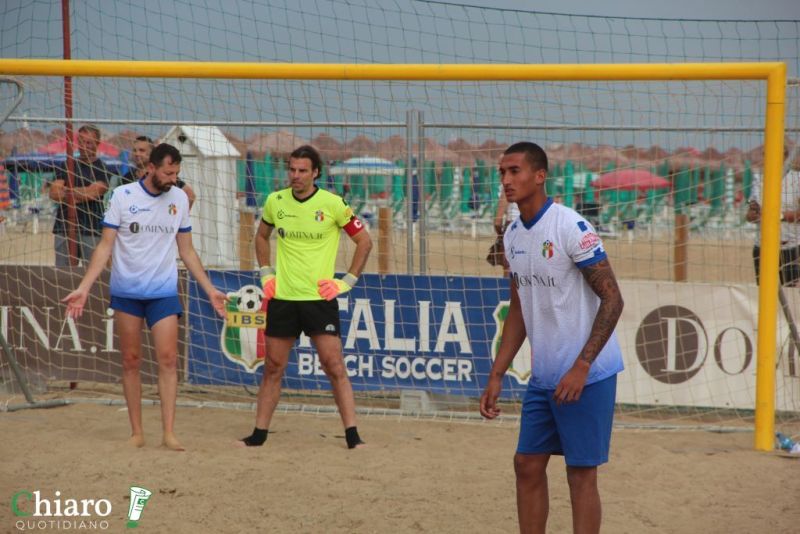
<point>580,431</point>
<point>153,310</point>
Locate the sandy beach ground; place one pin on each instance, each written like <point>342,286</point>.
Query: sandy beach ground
<point>643,257</point>
<point>414,476</point>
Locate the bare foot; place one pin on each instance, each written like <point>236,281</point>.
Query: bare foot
<point>136,440</point>
<point>172,443</point>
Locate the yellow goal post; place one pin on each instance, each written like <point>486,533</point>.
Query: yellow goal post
<point>773,73</point>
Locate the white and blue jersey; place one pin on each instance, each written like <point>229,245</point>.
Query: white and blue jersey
<point>143,262</point>
<point>558,305</point>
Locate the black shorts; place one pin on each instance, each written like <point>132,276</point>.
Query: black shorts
<point>287,318</point>
<point>789,265</point>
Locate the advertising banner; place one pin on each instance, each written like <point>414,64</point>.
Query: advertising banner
<point>684,344</point>
<point>50,345</point>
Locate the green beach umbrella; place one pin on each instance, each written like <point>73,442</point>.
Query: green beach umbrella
<point>569,185</point>
<point>466,190</point>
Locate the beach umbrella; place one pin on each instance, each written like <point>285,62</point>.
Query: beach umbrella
<point>466,190</point>
<point>694,188</point>
<point>588,190</point>
<point>716,184</point>
<point>681,185</point>
<point>367,174</point>
<point>398,183</point>
<point>480,179</point>
<point>464,151</point>
<point>59,146</point>
<point>265,176</point>
<point>392,148</point>
<point>448,177</point>
<point>429,175</point>
<point>280,144</point>
<point>490,150</point>
<point>494,187</point>
<point>338,179</point>
<point>125,139</point>
<point>630,180</point>
<point>569,184</point>
<point>361,145</point>
<point>684,158</point>
<point>438,153</point>
<point>22,141</point>
<point>368,166</point>
<point>328,147</point>
<point>279,178</point>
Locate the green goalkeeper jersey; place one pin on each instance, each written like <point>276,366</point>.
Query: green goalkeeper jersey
<point>308,239</point>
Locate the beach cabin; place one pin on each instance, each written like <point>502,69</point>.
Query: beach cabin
<point>209,166</point>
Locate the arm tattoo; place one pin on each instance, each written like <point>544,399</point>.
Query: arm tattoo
<point>601,279</point>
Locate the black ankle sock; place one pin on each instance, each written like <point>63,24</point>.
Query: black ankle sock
<point>257,438</point>
<point>352,437</point>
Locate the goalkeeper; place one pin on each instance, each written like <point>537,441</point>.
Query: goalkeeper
<point>301,288</point>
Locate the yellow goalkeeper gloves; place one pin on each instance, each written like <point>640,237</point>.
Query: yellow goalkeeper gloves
<point>329,289</point>
<point>267,281</point>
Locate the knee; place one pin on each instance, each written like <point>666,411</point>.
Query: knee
<point>274,367</point>
<point>528,469</point>
<point>581,477</point>
<point>334,368</point>
<point>168,362</point>
<point>131,361</point>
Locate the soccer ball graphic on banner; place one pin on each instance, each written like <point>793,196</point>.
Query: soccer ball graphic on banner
<point>250,298</point>
<point>242,338</point>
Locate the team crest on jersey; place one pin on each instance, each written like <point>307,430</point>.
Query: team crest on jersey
<point>319,216</point>
<point>173,209</point>
<point>520,367</point>
<point>547,249</point>
<point>242,339</point>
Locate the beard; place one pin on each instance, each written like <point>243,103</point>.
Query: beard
<point>161,186</point>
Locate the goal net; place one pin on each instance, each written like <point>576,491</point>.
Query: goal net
<point>663,170</point>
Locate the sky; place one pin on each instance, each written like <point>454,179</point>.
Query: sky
<point>413,31</point>
<point>704,9</point>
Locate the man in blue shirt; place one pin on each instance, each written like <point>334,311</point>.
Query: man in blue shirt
<point>90,183</point>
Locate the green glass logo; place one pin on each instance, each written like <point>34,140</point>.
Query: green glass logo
<point>139,497</point>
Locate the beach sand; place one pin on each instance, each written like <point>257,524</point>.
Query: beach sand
<point>414,476</point>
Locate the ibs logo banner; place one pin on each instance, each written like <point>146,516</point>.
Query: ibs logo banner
<point>520,367</point>
<point>242,338</point>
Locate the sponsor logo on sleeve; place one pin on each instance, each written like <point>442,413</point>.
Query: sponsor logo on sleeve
<point>589,241</point>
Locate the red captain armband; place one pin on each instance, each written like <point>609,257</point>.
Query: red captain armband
<point>354,226</point>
